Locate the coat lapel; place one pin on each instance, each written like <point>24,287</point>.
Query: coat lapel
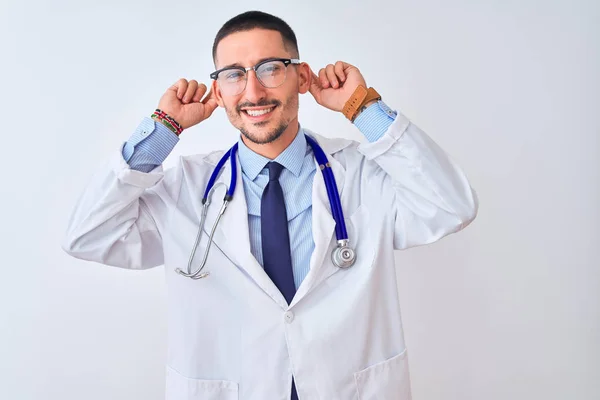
<point>323,223</point>
<point>232,233</point>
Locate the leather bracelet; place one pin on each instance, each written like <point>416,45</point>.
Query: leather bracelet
<point>357,101</point>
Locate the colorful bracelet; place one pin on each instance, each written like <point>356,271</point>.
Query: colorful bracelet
<point>168,121</point>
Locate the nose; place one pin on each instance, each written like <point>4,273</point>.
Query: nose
<point>255,91</point>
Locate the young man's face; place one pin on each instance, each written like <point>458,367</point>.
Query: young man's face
<point>262,114</point>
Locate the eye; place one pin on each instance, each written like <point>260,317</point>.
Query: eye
<point>271,67</point>
<point>233,75</point>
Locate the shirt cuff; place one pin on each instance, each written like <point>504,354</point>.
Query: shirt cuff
<point>149,145</point>
<point>375,120</point>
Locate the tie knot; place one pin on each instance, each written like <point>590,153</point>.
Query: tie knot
<point>274,170</point>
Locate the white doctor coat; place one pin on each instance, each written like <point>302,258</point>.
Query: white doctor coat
<point>232,335</point>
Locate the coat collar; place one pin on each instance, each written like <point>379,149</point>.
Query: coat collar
<point>291,158</point>
<point>329,145</point>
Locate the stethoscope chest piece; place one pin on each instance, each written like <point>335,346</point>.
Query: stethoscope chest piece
<point>343,256</point>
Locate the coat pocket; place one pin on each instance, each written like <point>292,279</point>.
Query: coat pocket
<point>387,380</point>
<point>179,387</point>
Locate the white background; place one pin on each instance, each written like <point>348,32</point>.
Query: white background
<point>507,309</point>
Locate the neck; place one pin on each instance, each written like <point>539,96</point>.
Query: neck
<point>273,149</point>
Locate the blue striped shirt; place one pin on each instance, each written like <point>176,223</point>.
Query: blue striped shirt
<point>152,142</point>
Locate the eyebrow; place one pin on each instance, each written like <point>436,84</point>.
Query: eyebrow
<point>238,65</point>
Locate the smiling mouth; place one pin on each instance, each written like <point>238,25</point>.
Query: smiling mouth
<point>259,113</point>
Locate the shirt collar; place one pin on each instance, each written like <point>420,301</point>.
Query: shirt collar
<point>291,158</point>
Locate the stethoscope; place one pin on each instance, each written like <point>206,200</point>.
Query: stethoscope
<point>342,256</point>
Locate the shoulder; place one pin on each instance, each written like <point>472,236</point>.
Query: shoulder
<point>189,171</point>
<point>332,145</point>
<point>339,150</point>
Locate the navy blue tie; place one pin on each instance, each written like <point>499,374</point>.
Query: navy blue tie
<point>277,257</point>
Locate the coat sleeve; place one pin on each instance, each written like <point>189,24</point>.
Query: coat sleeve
<point>112,222</point>
<point>429,195</point>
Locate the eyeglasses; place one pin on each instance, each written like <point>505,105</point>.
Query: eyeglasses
<point>271,73</point>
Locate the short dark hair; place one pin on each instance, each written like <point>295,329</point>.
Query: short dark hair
<point>258,20</point>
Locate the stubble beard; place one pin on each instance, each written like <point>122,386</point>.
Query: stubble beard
<point>270,137</point>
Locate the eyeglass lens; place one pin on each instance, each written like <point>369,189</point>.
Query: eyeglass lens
<point>270,74</point>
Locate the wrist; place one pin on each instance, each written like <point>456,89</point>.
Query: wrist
<point>162,122</point>
<point>359,101</point>
<point>363,108</point>
<point>168,121</point>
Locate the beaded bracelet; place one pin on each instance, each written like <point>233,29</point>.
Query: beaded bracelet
<point>168,121</point>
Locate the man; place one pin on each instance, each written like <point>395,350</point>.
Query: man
<point>271,316</point>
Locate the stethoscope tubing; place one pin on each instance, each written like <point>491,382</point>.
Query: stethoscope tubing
<point>230,154</point>
<point>332,190</point>
<point>330,186</point>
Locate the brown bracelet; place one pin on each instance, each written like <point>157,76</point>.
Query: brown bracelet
<point>357,101</point>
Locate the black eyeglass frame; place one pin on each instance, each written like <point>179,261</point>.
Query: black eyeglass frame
<point>285,61</point>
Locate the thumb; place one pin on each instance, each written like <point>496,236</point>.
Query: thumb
<point>315,86</point>
<point>210,106</point>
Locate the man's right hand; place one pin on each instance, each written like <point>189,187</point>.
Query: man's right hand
<point>183,101</point>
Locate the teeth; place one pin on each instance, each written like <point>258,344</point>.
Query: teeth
<point>256,113</point>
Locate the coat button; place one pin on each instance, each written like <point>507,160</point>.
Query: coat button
<point>288,317</point>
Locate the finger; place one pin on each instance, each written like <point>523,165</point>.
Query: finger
<point>199,93</point>
<point>323,78</point>
<point>315,81</point>
<point>209,96</point>
<point>179,87</point>
<point>210,106</point>
<point>339,71</point>
<point>315,85</point>
<point>333,80</point>
<point>190,91</point>
<point>315,77</point>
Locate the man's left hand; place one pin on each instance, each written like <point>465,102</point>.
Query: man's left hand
<point>335,84</point>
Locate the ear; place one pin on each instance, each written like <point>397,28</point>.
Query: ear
<point>304,77</point>
<point>217,92</point>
